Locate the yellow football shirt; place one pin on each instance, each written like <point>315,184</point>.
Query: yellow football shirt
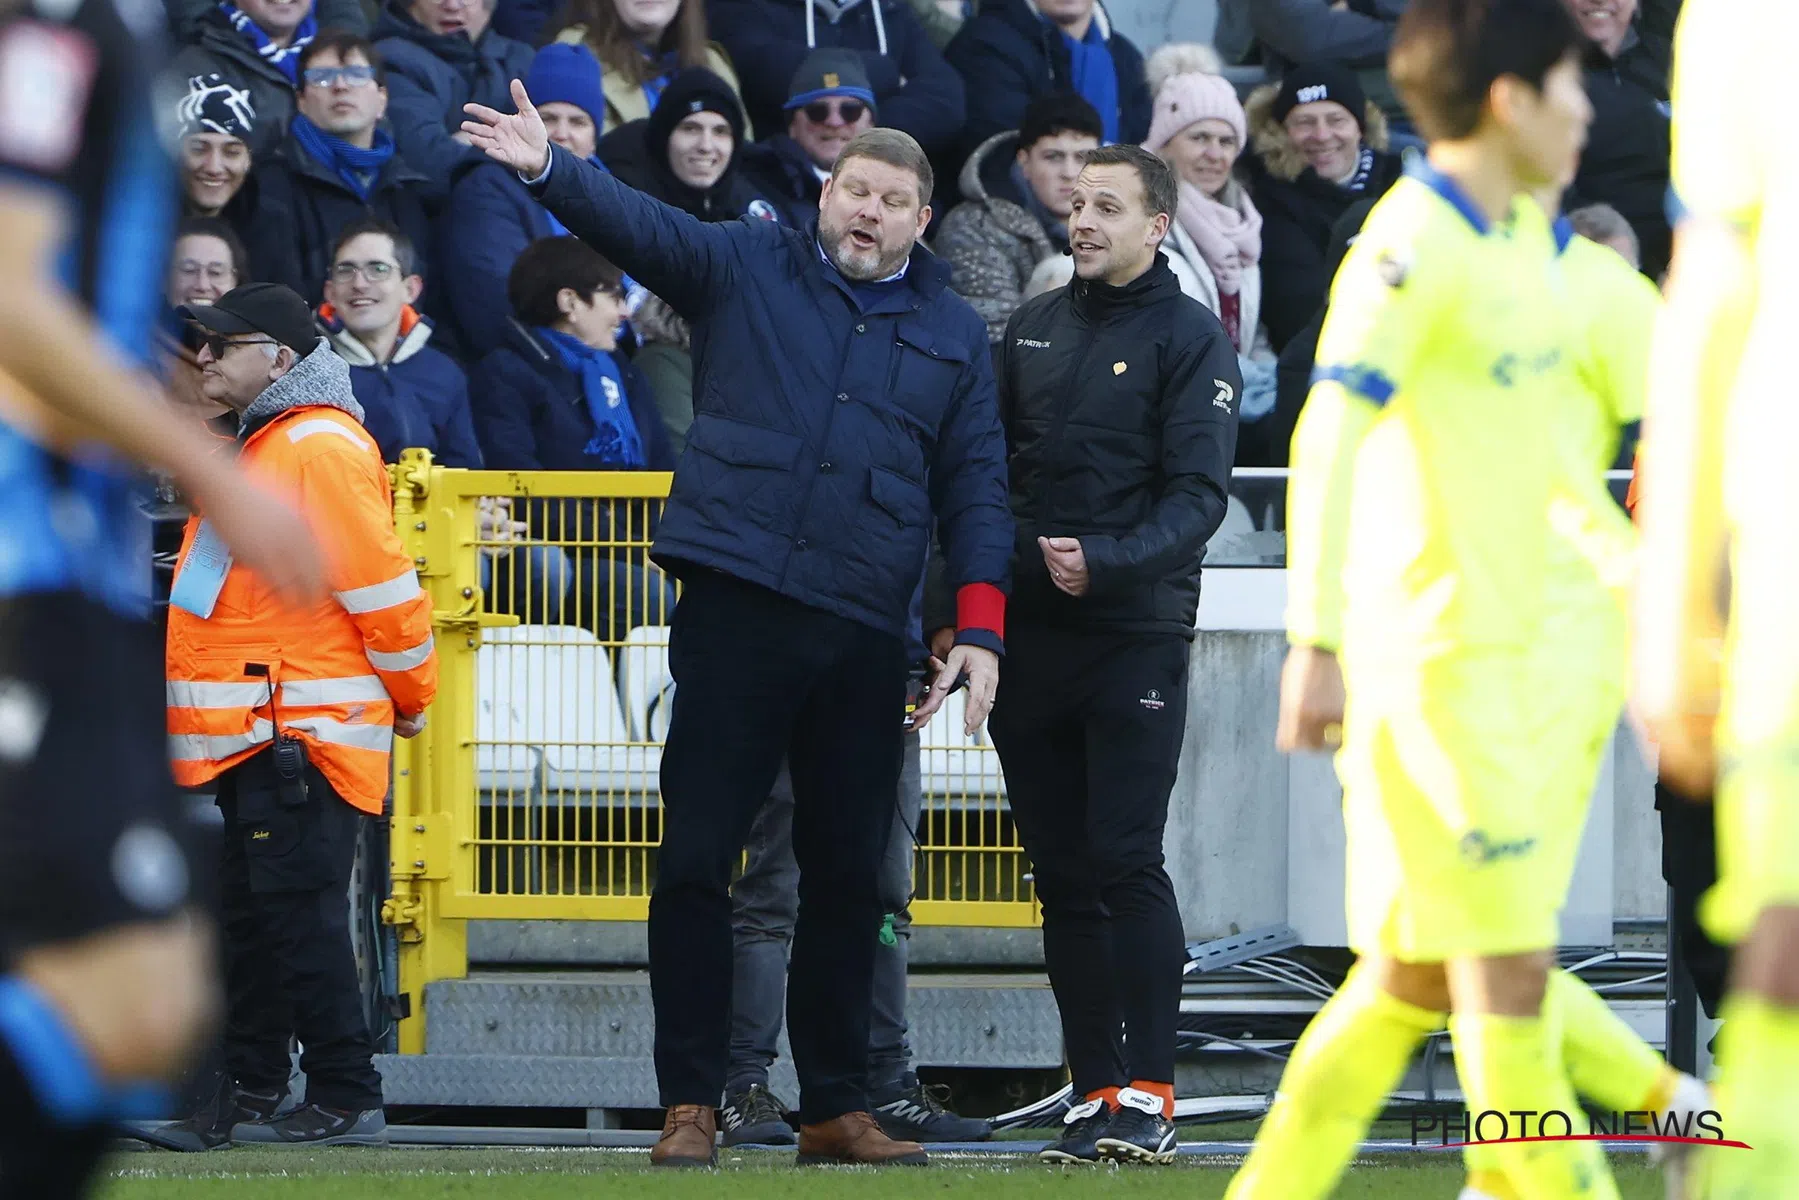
<point>1611,311</point>
<point>1424,459</point>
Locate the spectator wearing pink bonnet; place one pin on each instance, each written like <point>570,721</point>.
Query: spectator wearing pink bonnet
<point>1215,244</point>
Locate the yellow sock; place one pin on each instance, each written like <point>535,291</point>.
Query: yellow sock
<point>1350,1057</point>
<point>1485,1175</point>
<point>1607,1062</point>
<point>1758,1085</point>
<point>1509,1064</point>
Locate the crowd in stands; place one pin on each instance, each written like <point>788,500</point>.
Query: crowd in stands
<point>321,148</point>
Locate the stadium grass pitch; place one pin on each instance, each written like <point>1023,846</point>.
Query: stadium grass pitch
<point>518,1174</point>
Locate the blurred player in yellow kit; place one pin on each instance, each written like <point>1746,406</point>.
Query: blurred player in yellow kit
<point>1432,454</point>
<point>1610,311</point>
<point>1721,411</point>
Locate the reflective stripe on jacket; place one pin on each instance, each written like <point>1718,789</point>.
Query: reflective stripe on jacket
<point>331,674</point>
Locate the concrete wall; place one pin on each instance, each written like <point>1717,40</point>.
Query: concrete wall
<point>1255,838</point>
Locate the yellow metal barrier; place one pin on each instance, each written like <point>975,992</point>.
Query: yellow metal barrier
<point>532,793</point>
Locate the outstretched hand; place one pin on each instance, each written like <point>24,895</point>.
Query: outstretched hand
<point>518,140</point>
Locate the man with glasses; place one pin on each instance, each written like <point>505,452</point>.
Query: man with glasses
<point>289,715</point>
<point>337,165</point>
<point>412,394</point>
<point>829,102</point>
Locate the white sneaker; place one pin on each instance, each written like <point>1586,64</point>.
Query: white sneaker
<point>1469,1193</point>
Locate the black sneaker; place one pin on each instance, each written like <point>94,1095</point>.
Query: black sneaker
<point>913,1112</point>
<point>210,1128</point>
<point>754,1117</point>
<point>1081,1128</point>
<point>315,1125</point>
<point>1138,1132</point>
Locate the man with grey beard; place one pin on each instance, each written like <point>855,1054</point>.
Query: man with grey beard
<point>843,403</point>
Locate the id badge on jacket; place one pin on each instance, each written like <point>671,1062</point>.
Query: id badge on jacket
<point>202,577</point>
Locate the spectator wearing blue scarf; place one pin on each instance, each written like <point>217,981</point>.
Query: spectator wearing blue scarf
<point>336,166</point>
<point>278,46</point>
<point>1012,52</point>
<point>556,396</point>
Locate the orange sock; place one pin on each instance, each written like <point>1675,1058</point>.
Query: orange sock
<point>1109,1095</point>
<point>1164,1090</point>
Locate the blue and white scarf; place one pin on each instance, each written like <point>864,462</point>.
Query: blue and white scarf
<point>285,58</point>
<point>616,441</point>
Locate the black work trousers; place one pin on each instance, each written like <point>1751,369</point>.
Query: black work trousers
<point>289,968</point>
<point>757,677</point>
<point>1690,868</point>
<point>1088,727</point>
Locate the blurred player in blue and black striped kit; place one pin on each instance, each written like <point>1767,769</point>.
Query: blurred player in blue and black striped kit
<point>105,976</point>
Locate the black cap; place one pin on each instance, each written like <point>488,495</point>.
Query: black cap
<point>830,71</point>
<point>267,308</point>
<point>1309,83</point>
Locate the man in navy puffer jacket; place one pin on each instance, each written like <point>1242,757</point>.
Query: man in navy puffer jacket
<point>844,399</point>
<point>440,55</point>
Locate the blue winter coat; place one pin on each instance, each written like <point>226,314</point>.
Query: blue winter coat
<point>417,399</point>
<point>491,218</point>
<point>1008,56</point>
<point>430,77</point>
<point>825,435</point>
<point>522,20</point>
<point>301,205</point>
<point>531,415</point>
<point>914,87</point>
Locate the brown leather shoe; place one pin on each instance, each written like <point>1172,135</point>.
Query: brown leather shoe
<point>689,1138</point>
<point>855,1140</point>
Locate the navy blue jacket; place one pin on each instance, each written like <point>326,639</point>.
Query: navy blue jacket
<point>491,218</point>
<point>418,398</point>
<point>915,90</point>
<point>825,436</point>
<point>430,76</point>
<point>301,204</point>
<point>531,415</point>
<point>1008,56</point>
<point>522,20</point>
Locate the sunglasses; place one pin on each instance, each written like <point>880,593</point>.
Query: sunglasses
<point>219,343</point>
<point>352,76</point>
<point>848,111</point>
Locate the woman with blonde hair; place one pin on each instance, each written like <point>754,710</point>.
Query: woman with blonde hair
<point>641,45</point>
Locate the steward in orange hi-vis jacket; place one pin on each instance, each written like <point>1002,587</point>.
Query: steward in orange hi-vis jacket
<point>289,715</point>
<point>334,675</point>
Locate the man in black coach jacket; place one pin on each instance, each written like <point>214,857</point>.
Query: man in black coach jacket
<point>1119,397</point>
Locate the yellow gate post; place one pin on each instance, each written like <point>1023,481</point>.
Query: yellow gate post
<point>434,772</point>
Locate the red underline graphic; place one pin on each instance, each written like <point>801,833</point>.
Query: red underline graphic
<point>1594,1137</point>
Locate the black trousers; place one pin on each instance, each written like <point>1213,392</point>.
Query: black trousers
<point>759,676</point>
<point>1088,727</point>
<point>289,968</point>
<point>1690,867</point>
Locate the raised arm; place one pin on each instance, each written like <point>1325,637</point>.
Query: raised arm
<point>688,262</point>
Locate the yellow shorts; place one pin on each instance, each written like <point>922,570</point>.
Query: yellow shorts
<point>1757,796</point>
<point>1465,789</point>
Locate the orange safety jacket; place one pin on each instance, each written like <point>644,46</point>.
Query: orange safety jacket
<point>331,674</point>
